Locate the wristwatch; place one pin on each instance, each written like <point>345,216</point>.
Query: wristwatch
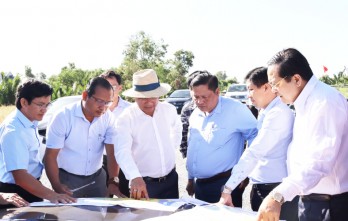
<point>114,180</point>
<point>277,197</point>
<point>226,189</point>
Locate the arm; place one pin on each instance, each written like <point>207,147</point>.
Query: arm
<point>113,170</point>
<point>276,124</point>
<point>124,158</point>
<point>32,185</point>
<point>52,171</point>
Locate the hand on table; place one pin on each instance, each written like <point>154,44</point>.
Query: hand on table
<point>138,189</point>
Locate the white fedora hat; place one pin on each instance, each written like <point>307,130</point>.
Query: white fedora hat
<point>146,85</point>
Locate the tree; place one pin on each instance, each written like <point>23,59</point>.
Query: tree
<point>71,81</point>
<point>8,88</point>
<point>143,52</point>
<point>28,73</point>
<point>221,75</point>
<point>339,79</point>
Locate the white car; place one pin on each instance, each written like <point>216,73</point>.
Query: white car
<point>56,106</point>
<point>239,92</point>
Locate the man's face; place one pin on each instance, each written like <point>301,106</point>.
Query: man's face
<point>36,109</point>
<point>287,91</point>
<point>256,95</point>
<point>205,99</point>
<point>97,104</point>
<point>116,86</point>
<point>147,105</point>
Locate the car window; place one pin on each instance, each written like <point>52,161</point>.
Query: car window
<point>237,88</point>
<point>180,93</point>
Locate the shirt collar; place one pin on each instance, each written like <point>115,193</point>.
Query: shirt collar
<point>78,110</point>
<point>274,102</point>
<point>121,102</point>
<point>217,108</point>
<point>305,93</point>
<point>24,120</point>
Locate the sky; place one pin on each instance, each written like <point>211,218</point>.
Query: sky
<point>224,35</point>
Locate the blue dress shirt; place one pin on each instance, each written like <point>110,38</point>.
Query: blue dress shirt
<point>19,147</point>
<point>216,141</point>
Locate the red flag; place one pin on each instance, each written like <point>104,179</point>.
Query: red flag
<point>325,69</point>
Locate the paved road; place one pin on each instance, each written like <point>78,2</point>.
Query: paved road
<point>181,169</point>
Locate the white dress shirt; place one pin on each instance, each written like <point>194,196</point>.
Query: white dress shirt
<point>81,142</point>
<point>264,161</point>
<point>146,145</point>
<point>318,153</point>
<point>121,106</point>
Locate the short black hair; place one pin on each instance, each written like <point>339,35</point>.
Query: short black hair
<point>95,82</point>
<point>257,76</point>
<point>291,62</point>
<point>203,78</point>
<point>32,89</point>
<point>112,74</point>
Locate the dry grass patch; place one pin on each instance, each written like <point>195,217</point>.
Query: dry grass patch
<point>4,111</point>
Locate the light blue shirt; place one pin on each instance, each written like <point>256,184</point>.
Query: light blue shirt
<point>264,161</point>
<point>19,147</point>
<point>216,141</point>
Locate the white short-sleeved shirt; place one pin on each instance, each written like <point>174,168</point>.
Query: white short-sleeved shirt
<point>81,142</point>
<point>19,147</point>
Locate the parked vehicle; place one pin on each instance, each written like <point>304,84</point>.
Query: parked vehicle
<point>178,98</point>
<point>56,106</point>
<point>239,92</point>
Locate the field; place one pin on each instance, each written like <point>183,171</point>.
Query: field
<point>4,111</point>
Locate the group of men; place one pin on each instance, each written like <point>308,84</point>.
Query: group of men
<point>294,160</point>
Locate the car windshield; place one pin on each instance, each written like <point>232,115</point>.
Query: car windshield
<point>180,93</point>
<point>237,88</point>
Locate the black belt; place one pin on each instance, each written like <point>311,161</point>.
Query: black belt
<point>159,179</point>
<point>215,177</point>
<point>265,186</point>
<point>323,197</point>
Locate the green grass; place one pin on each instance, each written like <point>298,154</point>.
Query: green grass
<point>4,111</point>
<point>344,91</point>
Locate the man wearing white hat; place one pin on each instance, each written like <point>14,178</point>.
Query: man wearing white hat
<point>148,132</point>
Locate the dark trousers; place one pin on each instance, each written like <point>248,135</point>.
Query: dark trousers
<point>124,183</point>
<point>164,189</point>
<point>98,189</point>
<point>321,207</point>
<point>211,191</point>
<point>13,188</point>
<point>289,210</point>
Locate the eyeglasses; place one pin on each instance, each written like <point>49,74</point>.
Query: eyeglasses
<point>101,102</point>
<point>42,106</point>
<point>276,85</point>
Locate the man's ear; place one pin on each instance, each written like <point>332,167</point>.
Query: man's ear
<point>266,87</point>
<point>84,95</point>
<point>298,80</point>
<point>23,102</point>
<point>217,91</point>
